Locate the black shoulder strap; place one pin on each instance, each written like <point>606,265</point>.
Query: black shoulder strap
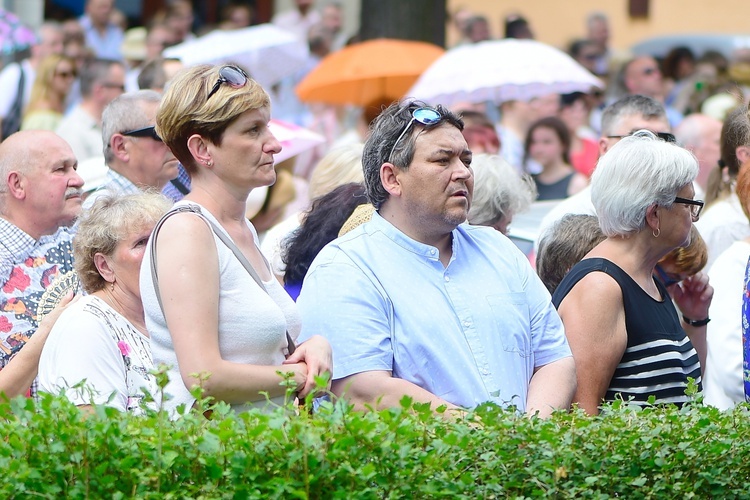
<point>225,239</point>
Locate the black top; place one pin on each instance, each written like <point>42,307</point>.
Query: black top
<point>555,191</point>
<point>659,357</point>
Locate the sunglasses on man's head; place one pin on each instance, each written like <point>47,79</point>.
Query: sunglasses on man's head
<point>664,136</point>
<point>232,75</point>
<point>424,115</point>
<point>144,132</point>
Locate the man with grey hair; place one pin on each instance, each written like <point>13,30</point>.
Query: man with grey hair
<point>16,79</point>
<point>40,197</point>
<point>701,135</point>
<point>136,156</point>
<point>418,303</point>
<point>101,81</point>
<point>620,119</point>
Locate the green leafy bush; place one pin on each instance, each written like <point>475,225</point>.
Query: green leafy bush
<point>53,450</point>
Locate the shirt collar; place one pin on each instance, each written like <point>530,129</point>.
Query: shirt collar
<point>378,223</point>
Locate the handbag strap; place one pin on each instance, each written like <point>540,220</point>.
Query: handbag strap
<point>226,240</point>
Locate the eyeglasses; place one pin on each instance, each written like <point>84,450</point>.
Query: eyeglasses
<point>231,75</point>
<point>664,136</point>
<point>118,86</point>
<point>695,206</point>
<point>665,278</point>
<point>65,74</point>
<point>424,115</point>
<point>144,132</point>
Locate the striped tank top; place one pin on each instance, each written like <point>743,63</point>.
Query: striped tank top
<point>659,357</point>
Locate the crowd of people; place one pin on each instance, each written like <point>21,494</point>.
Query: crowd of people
<point>132,234</point>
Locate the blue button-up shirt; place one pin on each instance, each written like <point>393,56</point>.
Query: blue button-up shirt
<point>471,332</point>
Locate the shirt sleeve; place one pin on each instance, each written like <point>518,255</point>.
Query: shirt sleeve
<point>342,303</point>
<point>548,341</point>
<point>80,348</point>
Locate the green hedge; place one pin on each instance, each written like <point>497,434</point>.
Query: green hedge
<point>52,450</point>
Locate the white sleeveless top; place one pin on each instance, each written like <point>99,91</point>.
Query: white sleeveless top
<point>252,323</point>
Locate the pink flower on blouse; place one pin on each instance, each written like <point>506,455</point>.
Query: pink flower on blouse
<point>124,348</point>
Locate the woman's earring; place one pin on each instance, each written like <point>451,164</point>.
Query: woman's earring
<point>656,232</point>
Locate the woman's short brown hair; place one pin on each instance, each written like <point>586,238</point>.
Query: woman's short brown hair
<point>106,223</point>
<point>186,110</point>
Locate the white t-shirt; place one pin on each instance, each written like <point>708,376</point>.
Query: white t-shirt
<point>91,341</point>
<point>722,224</point>
<point>9,78</point>
<point>722,382</point>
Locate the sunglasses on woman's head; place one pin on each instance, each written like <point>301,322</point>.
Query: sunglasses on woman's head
<point>232,75</point>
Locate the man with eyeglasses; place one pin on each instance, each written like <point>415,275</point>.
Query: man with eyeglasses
<point>418,303</point>
<point>136,156</point>
<point>102,80</point>
<point>620,119</point>
<point>642,75</point>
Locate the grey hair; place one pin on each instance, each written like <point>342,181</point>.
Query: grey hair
<point>639,171</point>
<point>595,17</point>
<point>52,26</point>
<point>110,219</point>
<point>564,245</point>
<point>648,108</point>
<point>123,114</point>
<point>95,72</point>
<point>384,131</point>
<point>499,190</point>
<point>689,133</point>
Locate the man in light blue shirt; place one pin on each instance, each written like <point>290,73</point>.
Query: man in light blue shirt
<point>416,302</point>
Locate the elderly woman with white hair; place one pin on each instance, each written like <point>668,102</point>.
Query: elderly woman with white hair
<point>626,336</point>
<point>499,192</point>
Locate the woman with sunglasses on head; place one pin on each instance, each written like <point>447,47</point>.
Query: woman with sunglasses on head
<point>53,82</point>
<point>627,338</point>
<point>212,305</point>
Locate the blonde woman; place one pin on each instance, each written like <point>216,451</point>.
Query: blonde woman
<point>54,79</point>
<point>218,309</point>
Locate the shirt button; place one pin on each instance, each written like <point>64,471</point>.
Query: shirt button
<point>433,251</point>
<point>485,371</point>
<point>467,324</point>
<point>447,278</point>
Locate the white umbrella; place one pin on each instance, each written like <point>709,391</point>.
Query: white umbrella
<point>294,139</point>
<point>267,52</point>
<point>499,71</point>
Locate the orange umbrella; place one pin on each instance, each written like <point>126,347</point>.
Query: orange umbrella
<point>375,70</point>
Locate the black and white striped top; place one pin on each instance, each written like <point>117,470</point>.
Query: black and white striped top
<point>659,357</point>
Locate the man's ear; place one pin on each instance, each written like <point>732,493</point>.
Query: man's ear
<point>389,177</point>
<point>16,183</point>
<point>117,144</point>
